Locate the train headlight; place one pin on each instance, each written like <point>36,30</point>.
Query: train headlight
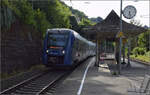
<point>47,51</point>
<point>63,52</point>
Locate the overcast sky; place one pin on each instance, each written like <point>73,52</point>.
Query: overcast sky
<point>102,8</point>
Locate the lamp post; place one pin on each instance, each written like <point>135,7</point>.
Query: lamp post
<point>129,12</point>
<point>120,40</point>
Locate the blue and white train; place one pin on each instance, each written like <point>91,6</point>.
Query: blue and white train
<point>65,48</point>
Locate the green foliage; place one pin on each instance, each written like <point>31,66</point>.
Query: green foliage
<point>85,22</point>
<point>23,10</point>
<point>148,54</point>
<point>27,14</point>
<point>141,57</point>
<point>140,44</point>
<point>143,40</point>
<point>74,23</point>
<point>7,16</point>
<point>134,42</point>
<point>48,14</point>
<point>126,51</point>
<point>58,14</point>
<point>135,51</point>
<point>139,51</point>
<point>78,13</point>
<point>42,23</point>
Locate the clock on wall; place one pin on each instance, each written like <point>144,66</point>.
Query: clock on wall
<point>129,12</point>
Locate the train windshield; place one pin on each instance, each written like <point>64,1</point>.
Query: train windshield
<point>58,39</point>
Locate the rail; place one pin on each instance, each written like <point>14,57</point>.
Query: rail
<point>37,84</point>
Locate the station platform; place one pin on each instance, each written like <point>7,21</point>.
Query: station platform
<point>88,79</point>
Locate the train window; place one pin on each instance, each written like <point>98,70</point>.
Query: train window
<point>57,39</point>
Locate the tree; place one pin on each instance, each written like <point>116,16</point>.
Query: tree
<point>24,11</point>
<point>96,20</point>
<point>143,40</point>
<point>85,22</point>
<point>57,14</point>
<point>55,11</point>
<point>78,13</point>
<point>135,22</point>
<point>42,23</point>
<point>74,23</point>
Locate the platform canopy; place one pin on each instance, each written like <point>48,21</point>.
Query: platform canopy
<point>108,28</point>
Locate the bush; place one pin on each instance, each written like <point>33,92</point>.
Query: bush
<point>148,54</point>
<point>135,51</point>
<point>143,40</point>
<point>27,14</point>
<point>142,51</point>
<point>143,58</point>
<point>139,51</point>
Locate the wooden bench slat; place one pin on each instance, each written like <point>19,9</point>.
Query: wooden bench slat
<point>144,88</point>
<point>145,82</point>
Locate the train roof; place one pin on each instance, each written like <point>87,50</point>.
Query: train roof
<point>77,35</point>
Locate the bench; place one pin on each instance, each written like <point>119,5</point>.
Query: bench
<point>144,89</point>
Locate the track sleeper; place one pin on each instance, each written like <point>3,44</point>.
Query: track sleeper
<point>23,92</point>
<point>31,88</point>
<point>34,90</point>
<point>47,93</point>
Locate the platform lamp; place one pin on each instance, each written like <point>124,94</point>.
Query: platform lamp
<point>129,12</point>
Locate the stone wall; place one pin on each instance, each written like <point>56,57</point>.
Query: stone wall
<point>21,48</point>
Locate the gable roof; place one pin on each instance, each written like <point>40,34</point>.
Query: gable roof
<point>110,26</point>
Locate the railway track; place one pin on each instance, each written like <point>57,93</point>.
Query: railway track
<point>38,84</point>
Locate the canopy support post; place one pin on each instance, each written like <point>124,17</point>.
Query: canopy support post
<point>124,54</point>
<point>129,50</point>
<point>97,59</point>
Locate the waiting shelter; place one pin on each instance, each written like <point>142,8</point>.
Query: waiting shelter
<point>109,28</point>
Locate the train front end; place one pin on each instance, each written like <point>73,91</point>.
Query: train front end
<point>55,48</point>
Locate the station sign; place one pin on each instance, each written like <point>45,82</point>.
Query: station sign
<point>124,40</point>
<point>120,34</point>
